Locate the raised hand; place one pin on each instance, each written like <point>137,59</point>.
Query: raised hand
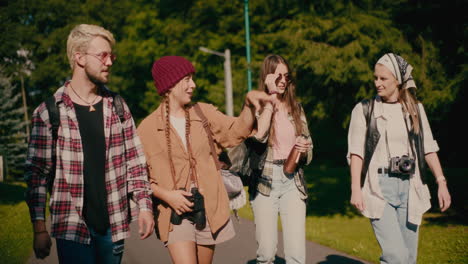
<point>270,82</point>
<point>257,98</point>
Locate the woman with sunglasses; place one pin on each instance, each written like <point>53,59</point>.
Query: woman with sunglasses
<point>193,212</point>
<point>281,128</point>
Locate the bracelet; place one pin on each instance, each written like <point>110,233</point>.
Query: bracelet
<point>40,232</point>
<point>441,178</point>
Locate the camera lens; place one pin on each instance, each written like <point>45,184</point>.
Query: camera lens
<point>405,166</point>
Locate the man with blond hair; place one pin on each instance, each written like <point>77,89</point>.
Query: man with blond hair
<point>91,161</point>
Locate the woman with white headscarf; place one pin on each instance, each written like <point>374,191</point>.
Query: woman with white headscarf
<point>389,145</point>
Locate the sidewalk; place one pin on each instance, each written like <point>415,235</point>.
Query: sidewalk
<point>239,250</point>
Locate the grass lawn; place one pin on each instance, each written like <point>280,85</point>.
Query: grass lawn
<point>15,230</point>
<point>332,222</point>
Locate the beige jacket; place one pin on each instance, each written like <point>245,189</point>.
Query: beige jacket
<point>227,132</point>
<point>419,196</point>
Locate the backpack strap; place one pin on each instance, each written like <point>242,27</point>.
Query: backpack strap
<point>419,144</point>
<point>206,126</point>
<point>119,108</point>
<point>54,116</point>
<point>54,119</point>
<point>367,108</point>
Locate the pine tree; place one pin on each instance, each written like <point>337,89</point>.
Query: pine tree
<point>12,128</point>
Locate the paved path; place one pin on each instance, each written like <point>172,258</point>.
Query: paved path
<point>240,250</point>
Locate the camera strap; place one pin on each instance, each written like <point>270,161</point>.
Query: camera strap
<point>192,161</point>
<point>386,144</point>
<point>206,126</point>
<point>409,138</point>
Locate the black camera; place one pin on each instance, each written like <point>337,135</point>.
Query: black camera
<point>197,215</point>
<point>403,165</point>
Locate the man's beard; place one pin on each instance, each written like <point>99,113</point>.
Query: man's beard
<point>97,80</point>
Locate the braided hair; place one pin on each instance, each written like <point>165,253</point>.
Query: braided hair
<point>167,129</point>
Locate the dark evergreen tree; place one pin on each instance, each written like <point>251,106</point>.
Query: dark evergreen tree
<point>12,128</point>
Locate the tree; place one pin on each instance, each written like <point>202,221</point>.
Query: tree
<point>331,45</point>
<point>12,127</point>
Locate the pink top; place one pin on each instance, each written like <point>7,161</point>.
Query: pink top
<point>285,135</point>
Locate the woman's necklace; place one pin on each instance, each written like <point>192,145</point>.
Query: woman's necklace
<point>91,107</point>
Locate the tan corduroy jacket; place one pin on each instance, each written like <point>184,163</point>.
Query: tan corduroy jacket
<point>227,131</point>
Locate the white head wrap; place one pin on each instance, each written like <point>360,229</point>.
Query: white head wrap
<point>400,68</point>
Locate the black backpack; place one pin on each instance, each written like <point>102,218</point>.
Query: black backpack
<point>54,119</point>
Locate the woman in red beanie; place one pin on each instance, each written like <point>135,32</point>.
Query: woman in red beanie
<point>192,204</point>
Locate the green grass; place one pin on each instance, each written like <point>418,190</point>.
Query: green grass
<point>351,235</point>
<point>332,222</point>
<point>15,229</point>
<point>442,242</point>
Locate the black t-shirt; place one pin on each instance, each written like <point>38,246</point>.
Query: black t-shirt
<point>91,125</point>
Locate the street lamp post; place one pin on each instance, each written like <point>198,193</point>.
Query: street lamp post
<point>227,77</point>
<point>247,43</point>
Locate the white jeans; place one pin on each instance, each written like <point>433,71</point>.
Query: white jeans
<point>285,200</point>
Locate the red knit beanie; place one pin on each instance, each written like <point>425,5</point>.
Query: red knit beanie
<point>168,70</point>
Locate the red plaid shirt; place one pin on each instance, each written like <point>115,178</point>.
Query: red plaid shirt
<point>126,173</point>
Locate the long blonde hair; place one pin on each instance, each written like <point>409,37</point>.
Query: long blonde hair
<point>409,102</point>
<point>289,97</point>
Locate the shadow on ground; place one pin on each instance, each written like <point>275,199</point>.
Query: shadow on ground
<point>336,259</point>
<point>278,260</point>
<point>331,259</point>
<point>12,192</point>
<point>445,220</point>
